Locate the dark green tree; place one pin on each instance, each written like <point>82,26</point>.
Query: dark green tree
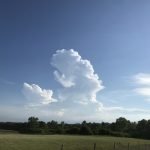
<point>142,128</point>
<point>85,129</point>
<point>52,124</point>
<point>33,125</point>
<point>33,122</point>
<point>122,124</point>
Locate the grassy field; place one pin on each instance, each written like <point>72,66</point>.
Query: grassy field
<point>53,142</point>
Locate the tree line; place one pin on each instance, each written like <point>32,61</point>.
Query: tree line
<point>121,128</point>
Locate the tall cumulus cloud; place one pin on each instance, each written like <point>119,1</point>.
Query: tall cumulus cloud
<point>77,77</point>
<point>77,94</point>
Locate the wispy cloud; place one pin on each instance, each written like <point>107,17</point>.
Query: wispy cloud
<point>142,80</point>
<point>126,110</point>
<point>145,91</point>
<point>4,81</point>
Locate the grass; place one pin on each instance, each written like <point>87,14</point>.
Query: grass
<point>7,131</point>
<point>53,142</point>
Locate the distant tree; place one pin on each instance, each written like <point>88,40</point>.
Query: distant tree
<point>33,122</point>
<point>142,128</point>
<point>42,124</point>
<point>53,127</point>
<point>33,125</point>
<point>131,130</point>
<point>148,130</point>
<point>94,127</point>
<point>121,128</point>
<point>43,127</point>
<point>73,130</point>
<point>113,126</point>
<point>60,128</point>
<point>103,131</point>
<point>85,130</point>
<point>62,124</point>
<point>142,124</point>
<point>52,124</point>
<point>122,124</point>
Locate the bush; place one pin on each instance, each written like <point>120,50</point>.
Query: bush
<point>73,130</point>
<point>85,130</point>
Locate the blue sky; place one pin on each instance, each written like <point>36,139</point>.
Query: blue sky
<point>109,36</point>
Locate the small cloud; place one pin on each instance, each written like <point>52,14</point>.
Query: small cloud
<point>145,91</point>
<point>142,79</point>
<point>61,112</point>
<point>36,95</point>
<point>125,110</point>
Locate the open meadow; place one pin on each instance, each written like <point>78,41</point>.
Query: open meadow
<point>54,142</point>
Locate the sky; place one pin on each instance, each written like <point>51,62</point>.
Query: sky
<point>72,60</point>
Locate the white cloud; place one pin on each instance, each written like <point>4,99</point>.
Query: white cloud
<point>47,113</point>
<point>20,113</point>
<point>77,96</point>
<point>142,78</point>
<point>36,95</point>
<point>145,91</point>
<point>77,77</point>
<point>61,112</point>
<point>143,81</point>
<point>126,110</point>
<point>62,80</point>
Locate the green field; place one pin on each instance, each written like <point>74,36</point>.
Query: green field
<point>53,142</point>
